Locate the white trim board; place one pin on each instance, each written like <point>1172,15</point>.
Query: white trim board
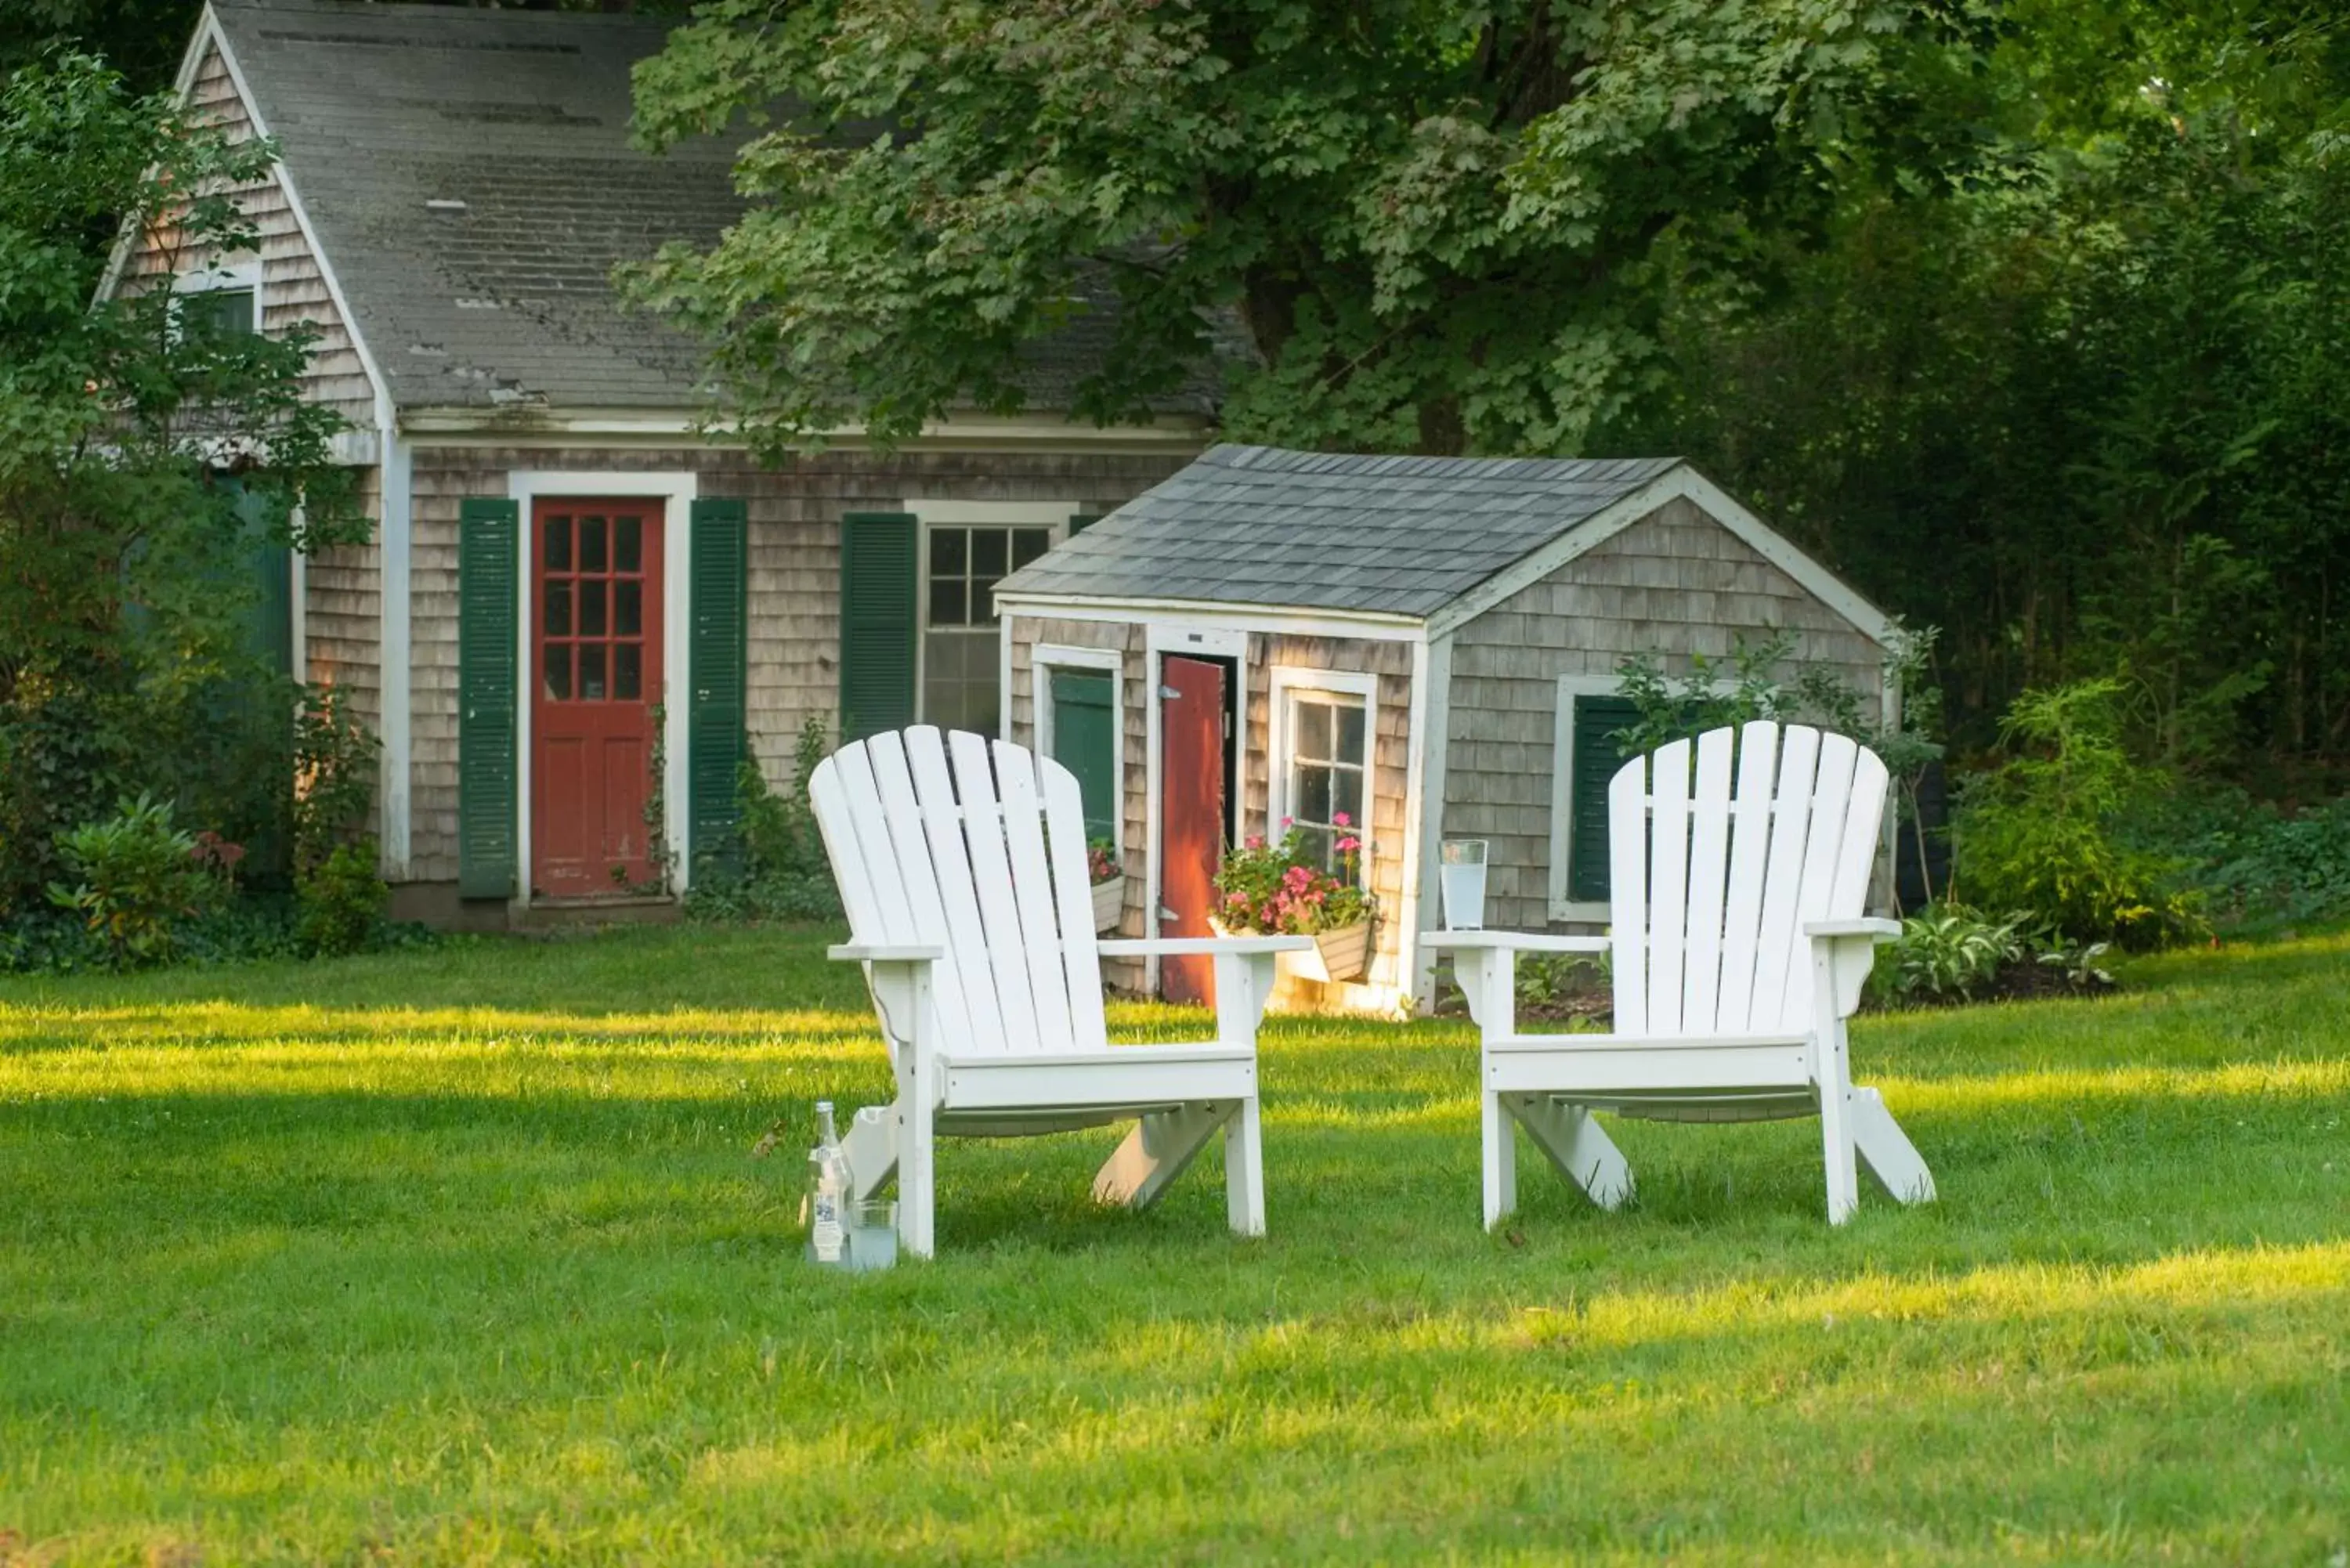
<point>1431,741</point>
<point>541,426</point>
<point>678,490</point>
<point>1212,618</point>
<point>1680,482</point>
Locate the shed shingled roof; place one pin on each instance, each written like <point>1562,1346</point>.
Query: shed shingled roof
<point>389,115</point>
<point>1401,535</point>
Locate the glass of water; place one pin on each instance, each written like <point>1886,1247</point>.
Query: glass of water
<point>872,1234</point>
<point>1462,875</point>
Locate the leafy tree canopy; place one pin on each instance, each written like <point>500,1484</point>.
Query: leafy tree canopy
<point>1434,222</point>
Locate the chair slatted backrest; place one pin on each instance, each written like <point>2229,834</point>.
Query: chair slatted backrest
<point>978,847</point>
<point>1720,854</point>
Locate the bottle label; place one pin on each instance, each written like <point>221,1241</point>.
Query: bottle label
<point>826,1234</point>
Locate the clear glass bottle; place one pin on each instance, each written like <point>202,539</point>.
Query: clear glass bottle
<point>827,1194</point>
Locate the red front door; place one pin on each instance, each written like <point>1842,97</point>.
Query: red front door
<point>595,640</point>
<point>1190,817</point>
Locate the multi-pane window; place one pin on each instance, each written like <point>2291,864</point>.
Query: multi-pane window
<point>960,664</point>
<point>593,614</point>
<point>221,312</point>
<point>1326,772</point>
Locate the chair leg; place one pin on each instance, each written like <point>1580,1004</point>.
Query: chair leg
<point>917,1174</point>
<point>1156,1152</point>
<point>1836,1124</point>
<point>1887,1152</point>
<point>1500,1160</point>
<point>1244,1170</point>
<point>1578,1147</point>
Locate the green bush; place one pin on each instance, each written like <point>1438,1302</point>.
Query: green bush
<point>342,901</point>
<point>137,878</point>
<point>1946,954</point>
<point>2250,862</point>
<point>2040,833</point>
<point>772,867</point>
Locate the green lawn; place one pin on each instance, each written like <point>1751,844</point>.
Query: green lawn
<point>457,1256</point>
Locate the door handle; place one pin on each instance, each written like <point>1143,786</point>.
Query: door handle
<point>1167,914</point>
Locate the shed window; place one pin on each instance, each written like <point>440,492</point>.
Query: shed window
<point>1322,761</point>
<point>221,312</point>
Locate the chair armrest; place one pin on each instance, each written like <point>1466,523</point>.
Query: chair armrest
<point>884,952</point>
<point>1878,930</point>
<point>1180,946</point>
<point>1513,941</point>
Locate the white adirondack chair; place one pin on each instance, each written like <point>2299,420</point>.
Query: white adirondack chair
<point>1739,949</point>
<point>961,863</point>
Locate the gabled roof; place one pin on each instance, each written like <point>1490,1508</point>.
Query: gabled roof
<point>469,176</point>
<point>1399,536</point>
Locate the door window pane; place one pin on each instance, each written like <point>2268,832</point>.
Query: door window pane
<point>627,545</point>
<point>591,545</point>
<point>558,610</point>
<point>628,609</point>
<point>591,672</point>
<point>558,672</point>
<point>558,544</point>
<point>591,610</point>
<point>627,671</point>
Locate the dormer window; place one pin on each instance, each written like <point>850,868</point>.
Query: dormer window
<point>223,300</point>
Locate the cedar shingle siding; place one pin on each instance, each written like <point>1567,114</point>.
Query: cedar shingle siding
<point>1674,584</point>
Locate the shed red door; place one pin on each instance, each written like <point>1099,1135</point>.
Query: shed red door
<point>596,644</point>
<point>1190,817</point>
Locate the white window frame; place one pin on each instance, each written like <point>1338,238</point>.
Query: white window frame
<point>1050,656</point>
<point>223,278</point>
<point>946,513</point>
<point>1285,681</point>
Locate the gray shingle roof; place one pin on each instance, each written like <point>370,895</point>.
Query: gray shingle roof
<point>523,117</point>
<point>1403,535</point>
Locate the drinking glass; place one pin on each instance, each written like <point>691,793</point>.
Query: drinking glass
<point>872,1234</point>
<point>1463,878</point>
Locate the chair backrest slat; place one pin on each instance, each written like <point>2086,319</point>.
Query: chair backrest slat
<point>991,873</point>
<point>1065,823</point>
<point>942,820</point>
<point>1627,874</point>
<point>1750,847</point>
<point>1669,845</point>
<point>1032,894</point>
<point>901,812</point>
<point>1714,885</point>
<point>1708,878</point>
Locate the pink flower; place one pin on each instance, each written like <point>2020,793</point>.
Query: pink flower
<point>1254,841</point>
<point>1341,819</point>
<point>1348,845</point>
<point>1288,822</point>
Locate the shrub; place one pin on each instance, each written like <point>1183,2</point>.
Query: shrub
<point>342,901</point>
<point>772,867</point>
<point>1946,954</point>
<point>2252,863</point>
<point>2039,834</point>
<point>334,776</point>
<point>138,876</point>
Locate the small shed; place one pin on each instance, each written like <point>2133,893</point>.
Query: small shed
<point>1431,645</point>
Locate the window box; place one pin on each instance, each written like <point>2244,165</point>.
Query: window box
<point>1109,904</point>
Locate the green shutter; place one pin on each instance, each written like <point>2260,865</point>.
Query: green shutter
<point>1083,521</point>
<point>489,559</point>
<point>1598,755</point>
<point>717,718</point>
<point>1085,742</point>
<point>876,622</point>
